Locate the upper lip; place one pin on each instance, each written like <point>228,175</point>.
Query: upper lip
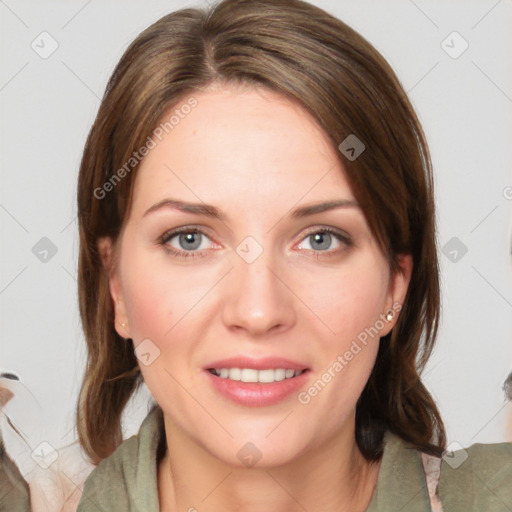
<point>257,364</point>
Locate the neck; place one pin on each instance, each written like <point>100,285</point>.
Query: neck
<point>331,477</point>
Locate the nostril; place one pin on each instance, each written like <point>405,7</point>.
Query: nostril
<point>8,375</point>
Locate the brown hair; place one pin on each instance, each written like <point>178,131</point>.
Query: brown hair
<point>314,59</point>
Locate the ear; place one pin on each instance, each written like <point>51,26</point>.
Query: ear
<point>398,286</point>
<point>107,254</point>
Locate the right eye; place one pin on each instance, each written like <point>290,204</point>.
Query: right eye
<point>185,242</point>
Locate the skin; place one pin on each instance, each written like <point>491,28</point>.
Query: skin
<point>255,156</point>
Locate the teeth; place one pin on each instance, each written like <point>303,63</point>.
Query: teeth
<point>251,375</point>
<point>247,375</point>
<point>235,374</point>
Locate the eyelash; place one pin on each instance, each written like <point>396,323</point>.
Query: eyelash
<point>168,235</point>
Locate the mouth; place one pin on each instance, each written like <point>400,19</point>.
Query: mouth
<point>257,382</point>
<point>252,375</point>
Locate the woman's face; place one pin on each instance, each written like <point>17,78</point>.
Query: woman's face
<point>255,279</point>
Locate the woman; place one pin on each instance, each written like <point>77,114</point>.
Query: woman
<point>257,244</point>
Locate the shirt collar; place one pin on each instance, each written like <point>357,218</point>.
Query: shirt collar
<point>401,484</point>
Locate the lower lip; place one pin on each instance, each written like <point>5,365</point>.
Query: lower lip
<point>256,394</point>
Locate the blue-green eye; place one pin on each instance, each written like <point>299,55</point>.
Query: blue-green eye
<point>192,242</point>
<point>323,240</point>
<point>185,242</point>
<point>189,241</point>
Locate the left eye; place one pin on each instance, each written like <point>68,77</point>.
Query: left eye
<point>322,241</point>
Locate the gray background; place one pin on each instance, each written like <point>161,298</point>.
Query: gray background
<point>47,106</point>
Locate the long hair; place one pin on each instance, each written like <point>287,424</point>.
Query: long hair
<point>321,64</point>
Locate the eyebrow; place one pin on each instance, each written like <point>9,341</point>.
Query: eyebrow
<point>211,211</point>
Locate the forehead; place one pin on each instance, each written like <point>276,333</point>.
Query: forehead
<point>251,146</point>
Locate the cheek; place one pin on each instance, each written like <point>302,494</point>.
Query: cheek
<point>149,307</point>
<point>349,305</point>
<point>157,295</point>
<point>348,300</point>
<point>157,300</point>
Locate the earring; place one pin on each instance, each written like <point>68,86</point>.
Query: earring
<point>390,315</point>
<point>123,325</point>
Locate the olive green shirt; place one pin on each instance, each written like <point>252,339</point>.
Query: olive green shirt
<point>127,480</point>
<point>14,493</point>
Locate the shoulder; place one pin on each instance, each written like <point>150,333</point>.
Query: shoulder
<point>477,478</point>
<point>127,480</point>
<point>401,484</point>
<point>108,483</point>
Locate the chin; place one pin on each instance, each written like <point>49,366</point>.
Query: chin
<point>258,450</point>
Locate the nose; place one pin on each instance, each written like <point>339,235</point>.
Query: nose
<point>258,300</point>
